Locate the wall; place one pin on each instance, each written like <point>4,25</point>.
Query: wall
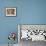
<point>28,12</point>
<point>33,12</point>
<point>8,24</point>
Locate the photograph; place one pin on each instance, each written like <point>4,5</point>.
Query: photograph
<point>10,11</point>
<point>32,32</point>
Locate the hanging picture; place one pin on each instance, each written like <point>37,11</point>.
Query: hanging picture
<point>10,11</point>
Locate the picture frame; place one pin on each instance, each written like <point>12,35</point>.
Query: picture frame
<point>36,32</point>
<point>10,11</point>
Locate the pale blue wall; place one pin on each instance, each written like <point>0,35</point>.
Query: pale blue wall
<point>33,12</point>
<point>8,24</point>
<point>28,12</point>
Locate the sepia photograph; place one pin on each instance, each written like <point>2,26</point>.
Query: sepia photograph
<point>10,11</point>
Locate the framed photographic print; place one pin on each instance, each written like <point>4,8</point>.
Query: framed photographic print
<point>10,11</point>
<point>33,32</point>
